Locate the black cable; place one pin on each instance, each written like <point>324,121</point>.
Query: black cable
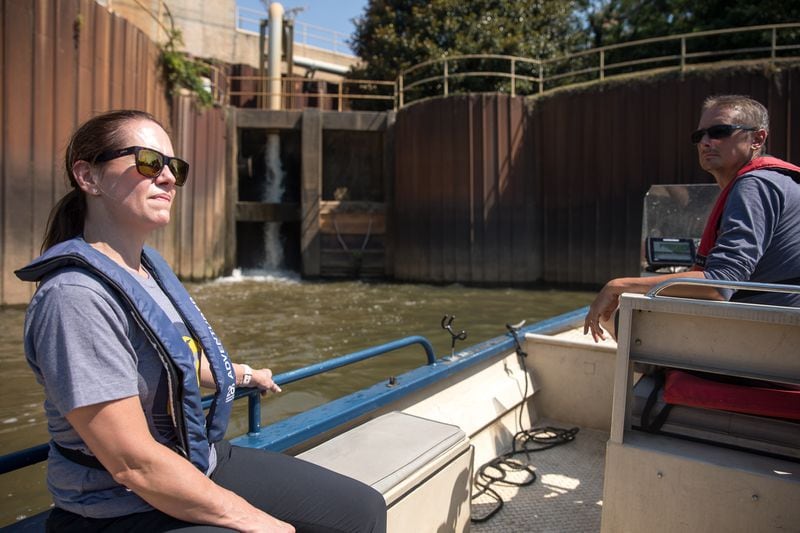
<point>526,441</point>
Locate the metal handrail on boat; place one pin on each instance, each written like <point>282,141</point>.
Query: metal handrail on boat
<point>722,284</point>
<point>37,454</point>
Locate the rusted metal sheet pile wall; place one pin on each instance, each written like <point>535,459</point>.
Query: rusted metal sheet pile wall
<point>489,191</point>
<point>196,237</point>
<point>64,61</point>
<point>467,202</point>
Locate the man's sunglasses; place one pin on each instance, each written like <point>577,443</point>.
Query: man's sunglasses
<point>720,131</point>
<point>150,163</point>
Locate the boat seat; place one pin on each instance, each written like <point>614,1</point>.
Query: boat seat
<point>422,467</point>
<point>746,431</point>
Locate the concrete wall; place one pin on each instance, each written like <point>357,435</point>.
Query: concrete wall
<point>209,31</point>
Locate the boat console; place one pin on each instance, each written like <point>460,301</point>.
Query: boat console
<point>672,224</point>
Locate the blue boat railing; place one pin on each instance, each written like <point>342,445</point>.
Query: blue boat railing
<point>37,454</point>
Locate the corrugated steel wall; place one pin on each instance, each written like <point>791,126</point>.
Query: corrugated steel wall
<point>487,190</point>
<point>466,200</point>
<point>62,61</point>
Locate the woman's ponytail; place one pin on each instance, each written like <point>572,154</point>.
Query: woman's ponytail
<point>66,219</point>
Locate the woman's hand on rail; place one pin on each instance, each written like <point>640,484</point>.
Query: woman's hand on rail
<point>262,378</point>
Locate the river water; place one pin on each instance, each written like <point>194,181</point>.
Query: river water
<point>284,323</point>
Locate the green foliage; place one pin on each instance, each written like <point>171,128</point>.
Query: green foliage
<point>610,22</point>
<point>393,35</point>
<point>618,21</point>
<point>180,71</point>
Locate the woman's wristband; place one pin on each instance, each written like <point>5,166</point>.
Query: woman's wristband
<point>247,375</point>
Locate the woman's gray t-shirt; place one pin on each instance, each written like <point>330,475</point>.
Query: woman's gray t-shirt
<point>85,349</point>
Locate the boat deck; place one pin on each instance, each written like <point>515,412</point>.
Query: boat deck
<point>566,497</point>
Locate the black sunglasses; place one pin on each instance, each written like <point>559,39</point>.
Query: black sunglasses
<point>150,163</point>
<point>720,131</point>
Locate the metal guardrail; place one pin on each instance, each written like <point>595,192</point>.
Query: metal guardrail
<point>526,76</point>
<point>536,76</point>
<point>36,454</point>
<point>718,284</point>
<point>249,19</point>
<point>295,91</point>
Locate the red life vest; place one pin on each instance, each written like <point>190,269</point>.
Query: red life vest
<point>711,230</point>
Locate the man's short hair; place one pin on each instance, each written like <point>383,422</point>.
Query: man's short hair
<point>751,113</point>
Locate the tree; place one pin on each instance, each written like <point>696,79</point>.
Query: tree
<point>393,35</point>
<point>618,21</point>
<point>608,22</point>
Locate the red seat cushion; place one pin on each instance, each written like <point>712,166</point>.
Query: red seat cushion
<point>764,399</point>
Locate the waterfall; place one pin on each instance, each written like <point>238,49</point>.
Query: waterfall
<point>273,193</point>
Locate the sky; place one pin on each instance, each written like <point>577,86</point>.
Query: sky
<point>334,15</point>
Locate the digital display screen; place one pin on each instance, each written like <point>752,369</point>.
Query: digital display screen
<point>670,251</point>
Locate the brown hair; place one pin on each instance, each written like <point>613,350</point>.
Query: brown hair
<point>95,136</point>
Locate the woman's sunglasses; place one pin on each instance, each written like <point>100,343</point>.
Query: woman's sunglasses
<point>150,163</point>
<point>720,131</point>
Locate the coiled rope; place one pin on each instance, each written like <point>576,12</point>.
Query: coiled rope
<point>526,441</point>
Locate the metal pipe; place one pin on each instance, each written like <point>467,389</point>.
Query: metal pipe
<point>23,458</point>
<point>274,54</point>
<point>720,284</point>
<point>324,366</point>
<point>262,34</point>
<point>253,412</point>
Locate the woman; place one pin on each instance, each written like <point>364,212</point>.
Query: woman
<point>120,349</point>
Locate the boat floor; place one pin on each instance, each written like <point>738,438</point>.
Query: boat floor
<point>567,495</point>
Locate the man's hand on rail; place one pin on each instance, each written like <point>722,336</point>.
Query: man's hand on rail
<point>607,300</point>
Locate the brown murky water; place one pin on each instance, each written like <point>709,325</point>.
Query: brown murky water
<point>284,324</point>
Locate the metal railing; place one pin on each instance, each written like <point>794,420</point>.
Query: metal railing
<point>297,91</point>
<point>36,454</point>
<point>516,75</point>
<point>722,284</point>
<point>525,76</point>
<point>249,19</point>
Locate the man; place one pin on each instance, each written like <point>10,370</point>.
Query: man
<point>753,232</point>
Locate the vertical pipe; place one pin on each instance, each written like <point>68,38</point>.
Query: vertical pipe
<point>513,79</point>
<point>541,77</point>
<point>400,90</point>
<point>274,54</point>
<point>683,54</point>
<point>253,414</point>
<point>262,88</point>
<point>446,88</point>
<point>774,42</point>
<point>602,64</point>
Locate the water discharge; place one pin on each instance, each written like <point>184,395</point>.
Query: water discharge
<point>273,193</point>
<point>279,321</point>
